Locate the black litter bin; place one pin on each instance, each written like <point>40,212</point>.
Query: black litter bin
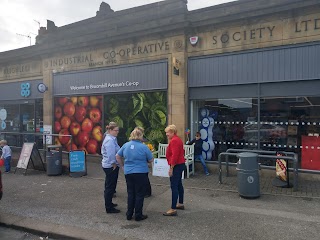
<point>54,160</point>
<point>248,175</point>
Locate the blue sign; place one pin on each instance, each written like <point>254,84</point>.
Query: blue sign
<point>77,161</point>
<point>25,89</point>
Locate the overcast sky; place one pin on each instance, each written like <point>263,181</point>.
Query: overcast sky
<point>22,16</point>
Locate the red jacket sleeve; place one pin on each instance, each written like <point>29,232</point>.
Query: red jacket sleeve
<point>175,151</point>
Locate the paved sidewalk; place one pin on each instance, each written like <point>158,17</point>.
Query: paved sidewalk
<point>62,207</point>
<point>307,186</point>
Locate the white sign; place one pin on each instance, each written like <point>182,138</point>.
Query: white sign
<point>161,168</point>
<point>47,129</point>
<point>3,114</point>
<point>25,155</point>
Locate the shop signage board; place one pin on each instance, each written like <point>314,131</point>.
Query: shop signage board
<point>77,164</point>
<point>20,90</point>
<point>30,152</point>
<point>127,78</point>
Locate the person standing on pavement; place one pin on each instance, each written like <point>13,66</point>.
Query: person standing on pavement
<point>148,189</point>
<point>198,151</point>
<point>6,155</point>
<point>176,161</point>
<point>110,166</point>
<point>135,165</point>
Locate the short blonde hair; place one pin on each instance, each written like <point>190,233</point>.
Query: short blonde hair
<point>140,128</point>
<point>171,128</point>
<point>136,134</point>
<point>3,142</point>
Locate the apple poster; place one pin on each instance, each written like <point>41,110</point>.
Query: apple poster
<point>81,117</point>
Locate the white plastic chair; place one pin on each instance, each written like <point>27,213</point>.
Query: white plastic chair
<point>162,150</point>
<point>189,156</point>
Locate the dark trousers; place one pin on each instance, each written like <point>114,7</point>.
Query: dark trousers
<point>176,185</point>
<point>7,162</point>
<point>136,189</point>
<point>110,185</point>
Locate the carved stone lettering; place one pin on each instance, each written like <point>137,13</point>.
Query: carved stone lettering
<point>137,50</point>
<point>252,34</point>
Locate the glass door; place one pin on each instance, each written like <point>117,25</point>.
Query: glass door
<point>27,119</point>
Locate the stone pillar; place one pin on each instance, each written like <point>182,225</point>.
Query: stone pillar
<point>48,99</point>
<point>177,87</point>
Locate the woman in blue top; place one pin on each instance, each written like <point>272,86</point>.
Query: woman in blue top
<point>110,166</point>
<point>136,157</point>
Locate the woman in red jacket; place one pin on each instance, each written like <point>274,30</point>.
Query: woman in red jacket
<point>175,158</point>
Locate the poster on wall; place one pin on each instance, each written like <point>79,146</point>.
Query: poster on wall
<point>47,129</point>
<point>81,117</point>
<point>146,110</point>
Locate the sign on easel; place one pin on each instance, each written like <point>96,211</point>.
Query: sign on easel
<point>30,152</point>
<point>77,164</point>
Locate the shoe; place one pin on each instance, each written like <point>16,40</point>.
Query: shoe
<point>170,213</point>
<point>7,171</point>
<point>207,174</point>
<point>113,210</point>
<point>180,207</point>
<point>143,217</point>
<point>129,215</point>
<point>114,205</point>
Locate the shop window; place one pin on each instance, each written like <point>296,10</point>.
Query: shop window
<point>294,126</point>
<point>27,117</point>
<point>286,124</point>
<point>19,121</point>
<point>11,122</point>
<point>224,124</point>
